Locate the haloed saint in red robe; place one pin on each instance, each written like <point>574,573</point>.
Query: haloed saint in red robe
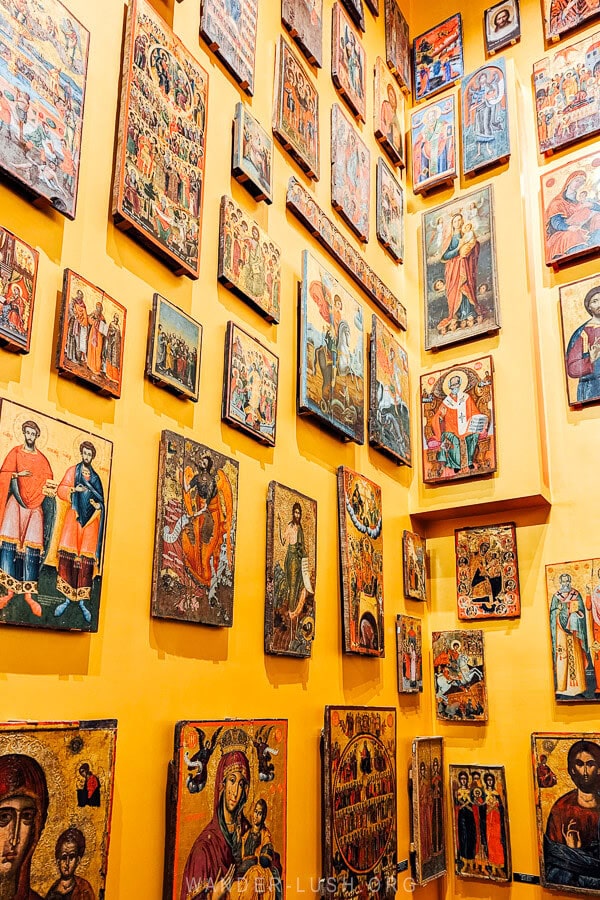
<point>22,518</point>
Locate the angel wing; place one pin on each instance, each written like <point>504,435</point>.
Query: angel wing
<point>215,737</point>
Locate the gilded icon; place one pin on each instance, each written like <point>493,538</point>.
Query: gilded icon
<point>414,566</point>
<point>487,572</point>
<point>409,648</point>
<point>360,828</point>
<point>331,383</point>
<point>227,778</point>
<point>249,260</point>
<point>460,676</point>
<point>566,95</point>
<point>458,422</point>
<point>480,822</point>
<point>56,797</point>
<point>566,782</point>
<point>91,335</point>
<point>296,110</point>
<point>438,58</point>
<point>250,386</point>
<point>580,316</point>
<point>428,827</point>
<point>361,556</point>
<point>54,486</point>
<point>159,176</point>
<point>460,271</point>
<point>573,590</point>
<point>389,411</point>
<point>18,282</point>
<point>291,572</point>
<point>388,113</point>
<point>570,216</point>
<point>229,29</point>
<point>174,349</point>
<point>252,160</point>
<point>348,63</point>
<point>195,533</point>
<point>42,95</point>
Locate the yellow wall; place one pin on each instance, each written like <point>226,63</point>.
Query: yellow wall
<point>518,654</point>
<point>150,673</point>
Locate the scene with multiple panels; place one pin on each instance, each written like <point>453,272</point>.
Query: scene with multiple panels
<point>391,289</point>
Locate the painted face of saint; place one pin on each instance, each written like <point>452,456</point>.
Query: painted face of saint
<point>454,385</point>
<point>585,772</point>
<point>234,788</point>
<point>67,860</point>
<point>17,828</point>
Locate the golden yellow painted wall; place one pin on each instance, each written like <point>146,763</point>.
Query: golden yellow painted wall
<point>520,683</point>
<point>149,673</point>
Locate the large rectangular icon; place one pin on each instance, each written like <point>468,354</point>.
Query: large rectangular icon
<point>291,572</point>
<point>91,335</point>
<point>56,797</point>
<point>389,395</point>
<point>252,157</point>
<point>174,349</point>
<point>42,94</point>
<point>485,128</point>
<point>409,648</point>
<point>433,138</point>
<point>296,110</point>
<point>480,823</point>
<point>573,590</point>
<point>487,572</point>
<point>438,58</point>
<point>580,317</point>
<point>159,177</point>
<point>304,21</point>
<point>249,260</point>
<point>460,676</point>
<point>54,486</point>
<point>195,533</point>
<point>348,63</point>
<point>350,174</point>
<point>361,563</point>
<point>566,781</point>
<point>428,827</point>
<point>459,270</point>
<point>570,219</point>
<point>19,268</point>
<point>360,827</point>
<point>458,422</point>
<point>331,382</point>
<point>388,113</point>
<point>229,29</point>
<point>397,45</point>
<point>226,823</point>
<point>250,385</point>
<point>567,98</point>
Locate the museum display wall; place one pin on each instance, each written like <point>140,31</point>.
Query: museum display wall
<point>132,660</point>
